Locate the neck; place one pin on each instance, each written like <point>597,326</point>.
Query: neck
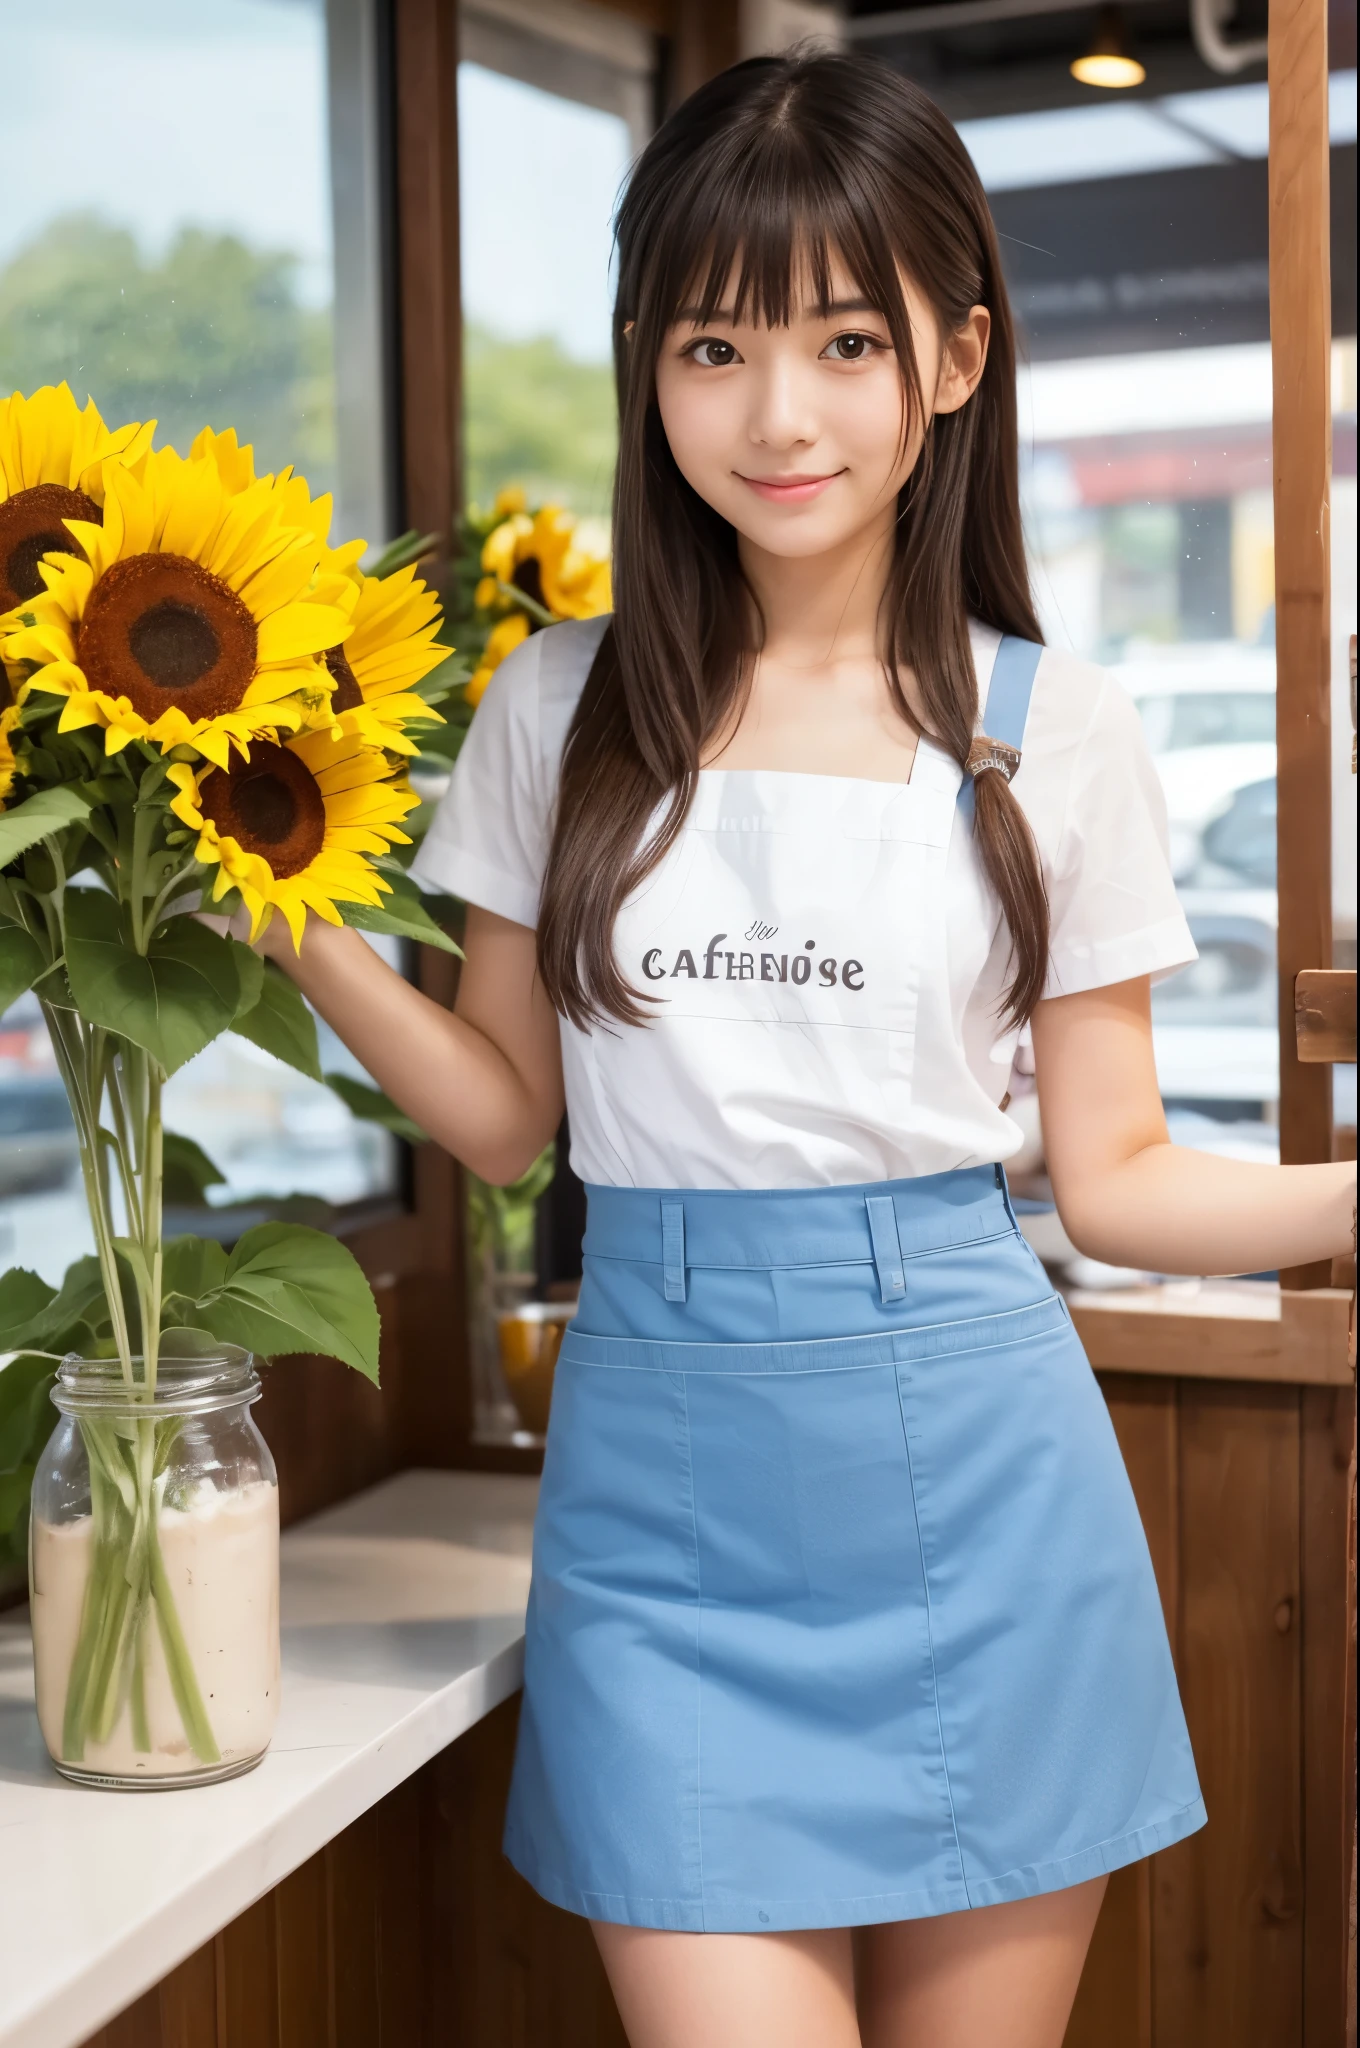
<point>824,607</point>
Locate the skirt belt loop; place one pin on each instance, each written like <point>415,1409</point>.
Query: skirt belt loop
<point>892,1281</point>
<point>673,1250</point>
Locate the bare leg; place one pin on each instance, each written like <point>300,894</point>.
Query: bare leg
<point>997,1977</point>
<point>732,1990</point>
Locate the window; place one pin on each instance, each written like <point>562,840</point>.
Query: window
<point>547,126</point>
<point>1199,718</point>
<point>553,103</point>
<point>173,244</point>
<point>1134,234</point>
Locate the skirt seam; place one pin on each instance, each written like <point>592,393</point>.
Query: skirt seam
<point>930,1643</point>
<point>902,1346</point>
<point>698,1647</point>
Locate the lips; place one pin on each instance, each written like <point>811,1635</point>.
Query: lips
<point>789,490</point>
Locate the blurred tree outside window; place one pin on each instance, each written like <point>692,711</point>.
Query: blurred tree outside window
<point>540,175</point>
<point>166,247</point>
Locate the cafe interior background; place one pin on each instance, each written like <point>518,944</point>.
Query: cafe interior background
<point>231,241</point>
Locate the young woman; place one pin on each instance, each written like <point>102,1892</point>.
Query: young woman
<point>846,1677</point>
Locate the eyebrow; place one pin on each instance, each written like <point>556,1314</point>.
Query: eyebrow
<point>726,316</point>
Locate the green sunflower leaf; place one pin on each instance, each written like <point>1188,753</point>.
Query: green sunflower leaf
<point>250,973</point>
<point>186,1340</point>
<point>284,1288</point>
<point>45,812</point>
<point>188,1171</point>
<point>402,914</point>
<point>34,1316</point>
<point>23,1297</point>
<point>27,1417</point>
<point>193,1269</point>
<point>280,1022</point>
<point>408,547</point>
<point>172,1001</point>
<point>371,1106</point>
<point>21,962</point>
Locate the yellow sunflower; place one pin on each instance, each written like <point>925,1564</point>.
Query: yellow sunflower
<point>394,618</point>
<point>9,718</point>
<point>236,466</point>
<point>51,469</point>
<point>545,558</point>
<point>503,639</point>
<point>391,647</point>
<point>192,616</point>
<point>294,827</point>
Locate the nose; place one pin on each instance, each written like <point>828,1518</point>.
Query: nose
<point>782,414</point>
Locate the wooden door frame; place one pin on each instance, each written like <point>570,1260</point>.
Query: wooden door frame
<point>1301,354</point>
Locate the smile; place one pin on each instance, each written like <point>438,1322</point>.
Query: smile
<point>789,490</point>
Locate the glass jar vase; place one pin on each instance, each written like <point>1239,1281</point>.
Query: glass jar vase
<point>154,1574</point>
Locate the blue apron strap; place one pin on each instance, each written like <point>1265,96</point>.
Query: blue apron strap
<point>673,1250</point>
<point>1008,695</point>
<point>892,1281</point>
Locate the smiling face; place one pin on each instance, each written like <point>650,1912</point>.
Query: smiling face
<point>794,434</point>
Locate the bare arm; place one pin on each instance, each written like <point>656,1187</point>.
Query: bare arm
<point>486,1081</point>
<point>1126,1194</point>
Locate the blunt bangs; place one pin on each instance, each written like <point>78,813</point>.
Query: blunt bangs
<point>754,227</point>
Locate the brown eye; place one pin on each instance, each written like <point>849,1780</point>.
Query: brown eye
<point>850,348</point>
<point>714,355</point>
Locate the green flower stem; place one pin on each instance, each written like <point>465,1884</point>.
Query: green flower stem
<point>127,1462</point>
<point>152,1191</point>
<point>69,1036</point>
<point>121,1138</point>
<point>141,1727</point>
<point>127,1578</point>
<point>97,1589</point>
<point>183,1681</point>
<point>181,878</point>
<point>536,611</point>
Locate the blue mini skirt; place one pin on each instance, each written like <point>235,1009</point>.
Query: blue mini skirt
<point>842,1611</point>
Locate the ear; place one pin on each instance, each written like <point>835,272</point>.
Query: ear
<point>963,361</point>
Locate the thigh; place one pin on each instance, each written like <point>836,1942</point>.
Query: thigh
<point>732,1990</point>
<point>999,1974</point>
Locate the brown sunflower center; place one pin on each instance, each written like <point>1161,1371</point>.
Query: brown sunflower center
<point>161,630</point>
<point>173,644</point>
<point>30,527</point>
<point>271,805</point>
<point>346,696</point>
<point>528,577</point>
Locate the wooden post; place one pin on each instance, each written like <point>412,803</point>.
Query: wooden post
<point>1301,339</point>
<point>431,340</point>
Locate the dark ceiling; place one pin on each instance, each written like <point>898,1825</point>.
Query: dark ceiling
<point>1019,66</point>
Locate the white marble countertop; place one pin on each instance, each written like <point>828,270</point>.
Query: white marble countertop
<point>403,1624</point>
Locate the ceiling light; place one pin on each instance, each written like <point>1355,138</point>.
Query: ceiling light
<point>1109,62</point>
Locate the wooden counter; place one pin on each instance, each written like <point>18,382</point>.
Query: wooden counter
<point>403,1627</point>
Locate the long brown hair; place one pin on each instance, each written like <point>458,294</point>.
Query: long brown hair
<point>767,171</point>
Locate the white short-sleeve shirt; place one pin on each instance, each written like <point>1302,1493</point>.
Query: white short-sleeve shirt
<point>828,961</point>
